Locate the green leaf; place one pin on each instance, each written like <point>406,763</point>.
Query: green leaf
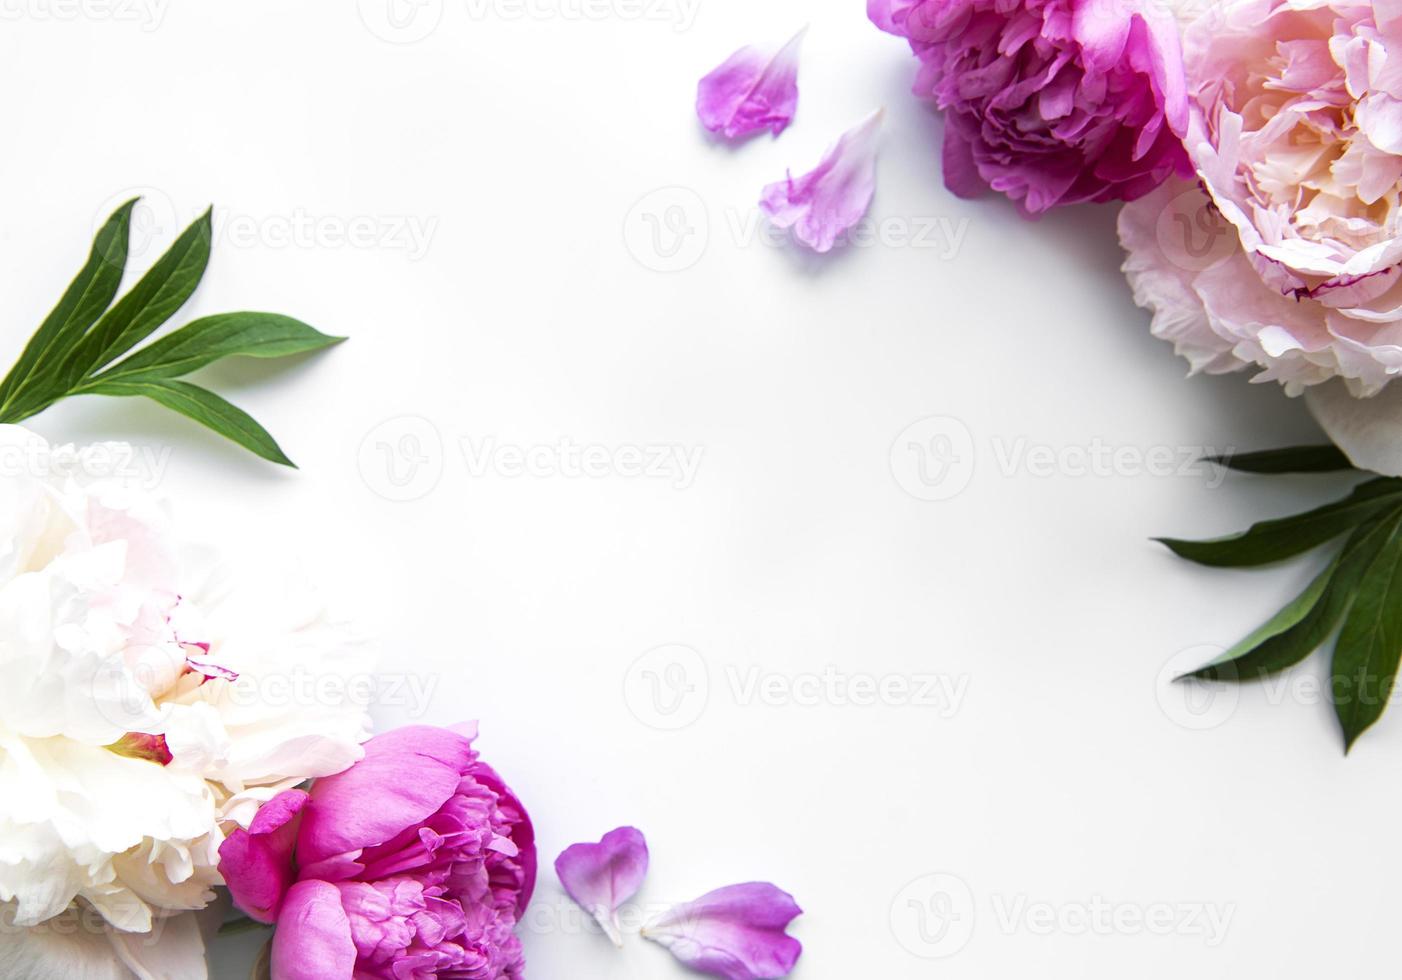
<point>90,293</point>
<point>151,302</point>
<point>1304,624</point>
<point>1295,459</point>
<point>204,407</point>
<point>1270,541</point>
<point>1369,647</point>
<point>211,338</point>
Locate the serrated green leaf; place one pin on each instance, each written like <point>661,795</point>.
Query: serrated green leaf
<point>1327,458</point>
<point>86,298</point>
<point>204,407</point>
<point>207,340</point>
<point>1304,624</point>
<point>150,303</point>
<point>1369,647</point>
<point>1274,540</point>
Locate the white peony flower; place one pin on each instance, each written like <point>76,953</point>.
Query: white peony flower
<point>145,706</point>
<point>1286,254</point>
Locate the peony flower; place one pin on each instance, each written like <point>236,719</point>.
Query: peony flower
<point>751,91</point>
<point>1285,255</point>
<point>1049,101</point>
<point>132,730</point>
<point>735,932</point>
<point>415,862</point>
<point>601,877</point>
<point>827,201</point>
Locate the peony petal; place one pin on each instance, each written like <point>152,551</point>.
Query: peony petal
<point>61,949</point>
<point>371,802</point>
<point>257,863</point>
<point>313,937</point>
<point>1368,430</point>
<point>601,877</point>
<point>735,932</point>
<point>751,91</point>
<point>173,950</point>
<point>834,196</point>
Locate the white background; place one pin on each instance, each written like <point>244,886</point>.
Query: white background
<point>1064,771</point>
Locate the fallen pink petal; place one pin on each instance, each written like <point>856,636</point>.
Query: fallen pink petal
<point>601,877</point>
<point>737,932</point>
<point>826,202</point>
<point>751,91</point>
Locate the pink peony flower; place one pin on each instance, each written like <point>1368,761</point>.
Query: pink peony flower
<point>1285,256</point>
<point>828,200</point>
<point>751,91</point>
<point>415,862</point>
<point>1049,101</point>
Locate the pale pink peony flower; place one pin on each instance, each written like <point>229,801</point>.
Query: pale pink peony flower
<point>1285,256</point>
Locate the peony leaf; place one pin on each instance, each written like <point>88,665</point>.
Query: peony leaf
<point>1295,459</point>
<point>207,340</point>
<point>204,407</point>
<point>85,333</point>
<point>151,302</point>
<point>1302,626</point>
<point>1285,537</point>
<point>1370,644</point>
<point>90,293</point>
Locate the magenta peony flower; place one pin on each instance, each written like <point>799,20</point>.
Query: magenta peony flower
<point>1049,101</point>
<point>414,863</point>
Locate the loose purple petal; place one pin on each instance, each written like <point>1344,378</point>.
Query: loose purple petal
<point>735,932</point>
<point>824,203</point>
<point>601,877</point>
<point>753,90</point>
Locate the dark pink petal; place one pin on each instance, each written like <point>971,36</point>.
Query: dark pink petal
<point>135,745</point>
<point>522,835</point>
<point>753,90</point>
<point>827,201</point>
<point>735,932</point>
<point>313,937</point>
<point>601,877</point>
<point>257,863</point>
<point>406,776</point>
